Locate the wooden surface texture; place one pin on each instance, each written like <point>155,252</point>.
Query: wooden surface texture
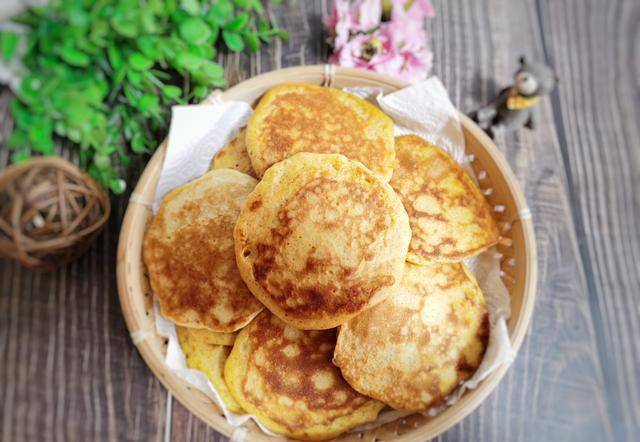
<point>68,369</point>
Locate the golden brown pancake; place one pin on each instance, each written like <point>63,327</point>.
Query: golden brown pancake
<point>188,250</point>
<point>209,359</point>
<point>292,118</point>
<point>320,239</point>
<point>284,376</point>
<point>450,219</point>
<point>234,156</point>
<point>204,336</point>
<point>413,349</point>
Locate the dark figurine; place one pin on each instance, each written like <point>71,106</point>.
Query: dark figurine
<point>516,106</point>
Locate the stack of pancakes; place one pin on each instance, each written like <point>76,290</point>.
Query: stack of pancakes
<point>316,271</point>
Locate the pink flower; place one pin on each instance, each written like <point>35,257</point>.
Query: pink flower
<point>369,14</point>
<point>361,51</point>
<point>340,23</point>
<point>396,47</point>
<point>420,9</point>
<point>347,19</point>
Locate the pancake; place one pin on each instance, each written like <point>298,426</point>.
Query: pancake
<point>292,118</point>
<point>234,156</point>
<point>450,218</point>
<point>321,239</point>
<point>285,378</point>
<point>204,336</point>
<point>209,359</point>
<point>412,350</point>
<point>188,250</point>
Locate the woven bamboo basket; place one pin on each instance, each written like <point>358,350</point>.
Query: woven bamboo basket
<point>516,246</point>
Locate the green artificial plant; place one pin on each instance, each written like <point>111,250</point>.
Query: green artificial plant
<point>104,73</point>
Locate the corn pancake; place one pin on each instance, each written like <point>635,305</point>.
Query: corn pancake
<point>450,219</point>
<point>284,376</point>
<point>321,239</point>
<point>413,349</point>
<point>188,250</point>
<point>204,336</point>
<point>234,156</point>
<point>292,118</point>
<point>209,359</point>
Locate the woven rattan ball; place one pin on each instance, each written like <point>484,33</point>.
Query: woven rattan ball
<point>50,212</point>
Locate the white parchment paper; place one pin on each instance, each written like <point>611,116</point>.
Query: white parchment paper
<point>198,132</point>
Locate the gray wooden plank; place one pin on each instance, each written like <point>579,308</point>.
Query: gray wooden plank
<point>186,427</point>
<point>69,371</point>
<point>596,107</point>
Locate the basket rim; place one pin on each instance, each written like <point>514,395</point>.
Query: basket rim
<point>452,415</point>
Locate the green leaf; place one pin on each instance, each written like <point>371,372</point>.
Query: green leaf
<point>244,4</point>
<point>282,34</point>
<point>218,82</point>
<point>275,32</point>
<point>29,90</point>
<point>147,102</point>
<point>171,92</point>
<point>205,51</point>
<point>20,156</point>
<point>252,40</point>
<point>212,69</point>
<point>135,77</point>
<point>125,159</point>
<point>138,143</point>
<point>190,6</point>
<point>233,41</point>
<point>74,57</point>
<point>74,135</point>
<point>40,136</point>
<point>102,161</point>
<point>125,24</point>
<point>139,62</point>
<point>115,56</point>
<point>149,23</point>
<point>162,6</point>
<point>200,92</point>
<point>60,128</point>
<point>221,12</point>
<point>9,41</point>
<point>189,61</point>
<point>166,46</point>
<point>17,139</point>
<point>256,5</point>
<point>119,75</point>
<point>99,33</point>
<point>117,186</point>
<point>78,17</point>
<point>131,94</point>
<point>84,44</point>
<point>194,30</point>
<point>238,23</point>
<point>263,26</point>
<point>148,45</point>
<point>106,150</point>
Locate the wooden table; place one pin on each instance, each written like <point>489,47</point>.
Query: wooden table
<point>69,371</point>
